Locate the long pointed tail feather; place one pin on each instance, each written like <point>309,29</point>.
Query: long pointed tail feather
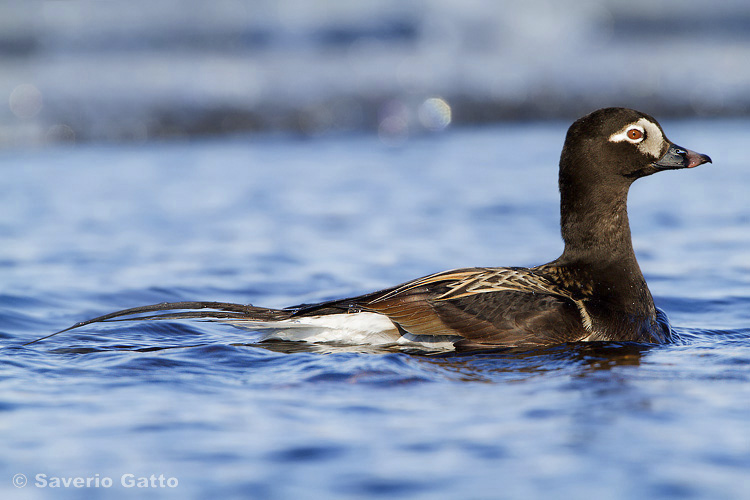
<point>214,310</point>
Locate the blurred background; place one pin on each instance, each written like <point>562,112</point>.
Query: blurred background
<point>88,70</point>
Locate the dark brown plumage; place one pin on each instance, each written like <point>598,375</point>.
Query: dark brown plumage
<point>594,291</point>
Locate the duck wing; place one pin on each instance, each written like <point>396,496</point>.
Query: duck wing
<point>480,307</point>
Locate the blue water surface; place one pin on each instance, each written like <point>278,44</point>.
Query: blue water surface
<point>276,221</point>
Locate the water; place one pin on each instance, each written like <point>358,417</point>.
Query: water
<point>277,221</point>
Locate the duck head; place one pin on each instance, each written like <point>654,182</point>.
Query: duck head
<point>622,143</point>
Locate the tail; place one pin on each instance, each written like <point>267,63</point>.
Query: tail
<point>186,310</point>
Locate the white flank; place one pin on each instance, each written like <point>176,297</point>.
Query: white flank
<point>357,328</point>
<point>363,328</point>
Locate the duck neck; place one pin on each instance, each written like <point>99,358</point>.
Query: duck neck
<point>598,264</point>
<point>598,247</point>
<point>594,223</point>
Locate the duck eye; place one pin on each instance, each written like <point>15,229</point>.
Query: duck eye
<point>634,134</point>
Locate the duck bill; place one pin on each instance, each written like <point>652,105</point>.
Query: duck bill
<point>679,157</point>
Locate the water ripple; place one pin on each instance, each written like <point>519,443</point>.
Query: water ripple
<point>114,227</point>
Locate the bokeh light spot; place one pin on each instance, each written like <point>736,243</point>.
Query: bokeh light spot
<point>434,114</point>
<point>393,126</point>
<point>25,101</point>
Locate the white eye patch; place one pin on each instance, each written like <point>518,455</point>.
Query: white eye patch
<point>632,133</point>
<point>649,140</point>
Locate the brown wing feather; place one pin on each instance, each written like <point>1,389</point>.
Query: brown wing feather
<point>513,318</point>
<point>415,313</point>
<point>486,306</point>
